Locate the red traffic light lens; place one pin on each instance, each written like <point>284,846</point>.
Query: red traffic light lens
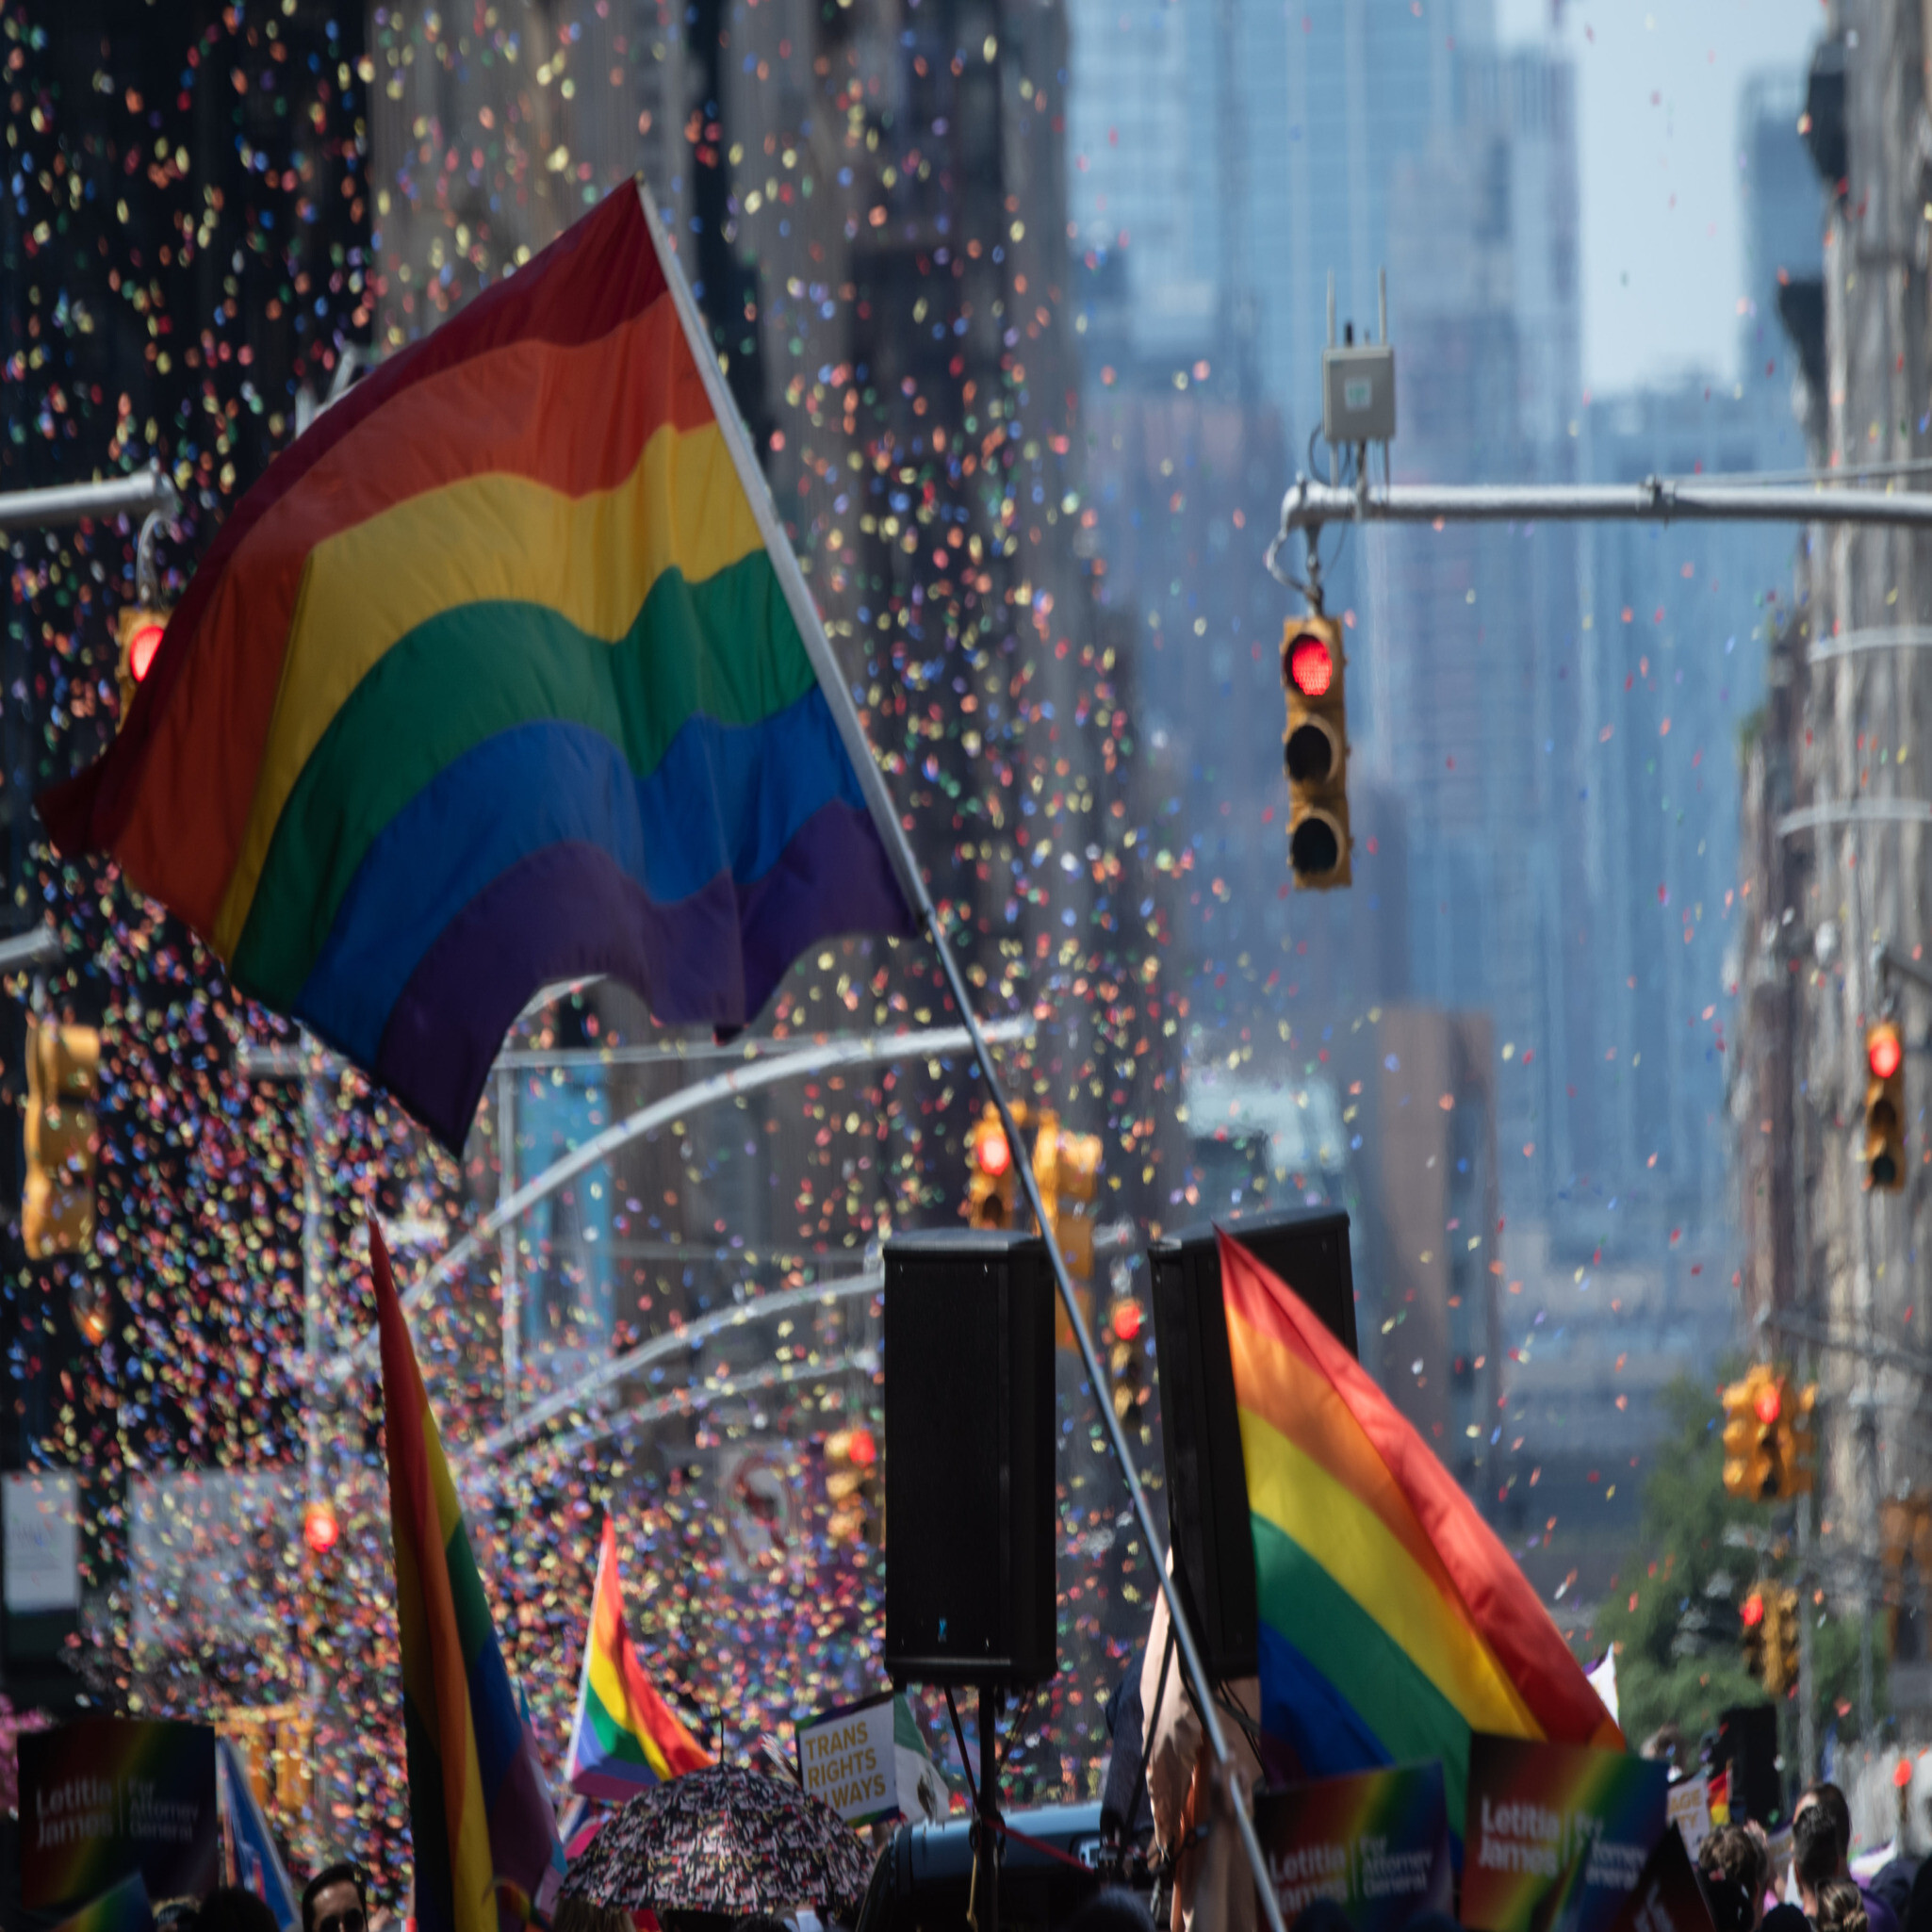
<point>1767,1406</point>
<point>1311,666</point>
<point>860,1450</point>
<point>1127,1319</point>
<point>318,1527</point>
<point>1883,1052</point>
<point>1753,1611</point>
<point>142,647</point>
<point>996,1156</point>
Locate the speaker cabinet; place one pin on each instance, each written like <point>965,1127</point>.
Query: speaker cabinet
<point>1206,1485</point>
<point>970,1477</point>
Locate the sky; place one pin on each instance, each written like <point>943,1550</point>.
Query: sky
<point>1658,83</point>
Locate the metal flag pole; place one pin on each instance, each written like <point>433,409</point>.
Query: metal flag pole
<point>911,881</point>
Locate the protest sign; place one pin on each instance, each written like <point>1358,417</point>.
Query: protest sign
<point>1556,1834</point>
<point>105,1797</point>
<point>1376,1842</point>
<point>846,1758</point>
<point>121,1908</point>
<point>1690,1811</point>
<point>1666,1896</point>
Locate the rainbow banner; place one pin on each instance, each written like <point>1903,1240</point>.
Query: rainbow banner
<point>102,1798</point>
<point>124,1908</point>
<point>625,1736</point>
<point>492,681</point>
<point>1393,1624</point>
<point>1376,1842</point>
<point>1557,1835</point>
<point>480,1817</point>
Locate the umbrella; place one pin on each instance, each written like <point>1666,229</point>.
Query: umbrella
<point>723,1840</point>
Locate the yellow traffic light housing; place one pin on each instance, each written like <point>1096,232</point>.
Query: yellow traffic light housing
<point>138,629</point>
<point>1315,753</point>
<point>1126,1326</point>
<point>1781,1644</point>
<point>1067,1167</point>
<point>1884,1107</point>
<point>990,1182</point>
<point>1797,1443</point>
<point>851,1486</point>
<point>1754,1465</point>
<point>1752,1612</point>
<point>58,1210</point>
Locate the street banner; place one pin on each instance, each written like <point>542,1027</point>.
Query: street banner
<point>1666,1896</point>
<point>1690,1811</point>
<point>106,1797</point>
<point>1556,1834</point>
<point>1377,1843</point>
<point>846,1757</point>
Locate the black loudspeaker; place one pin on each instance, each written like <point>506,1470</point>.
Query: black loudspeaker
<point>1208,1487</point>
<point>1747,1748</point>
<point>970,1478</point>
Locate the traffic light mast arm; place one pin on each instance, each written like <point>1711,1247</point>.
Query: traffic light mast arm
<point>1885,963</point>
<point>1309,505</point>
<point>148,492</point>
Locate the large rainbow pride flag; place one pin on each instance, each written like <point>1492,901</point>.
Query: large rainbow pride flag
<point>625,1736</point>
<point>480,1817</point>
<point>492,681</point>
<point>1393,1623</point>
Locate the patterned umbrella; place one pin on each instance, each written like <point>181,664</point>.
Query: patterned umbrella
<point>723,1840</point>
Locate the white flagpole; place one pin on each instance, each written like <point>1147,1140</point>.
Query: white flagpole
<point>886,818</point>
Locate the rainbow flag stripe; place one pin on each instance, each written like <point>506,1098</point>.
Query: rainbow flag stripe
<point>1393,1623</point>
<point>491,682</point>
<point>625,1736</point>
<point>124,1908</point>
<point>480,1817</point>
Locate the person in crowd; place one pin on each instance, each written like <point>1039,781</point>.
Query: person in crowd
<point>1841,1907</point>
<point>1828,1799</point>
<point>1112,1909</point>
<point>234,1909</point>
<point>1733,1854</point>
<point>337,1899</point>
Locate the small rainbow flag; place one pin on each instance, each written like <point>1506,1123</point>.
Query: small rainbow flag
<point>480,1816</point>
<point>625,1736</point>
<point>494,680</point>
<point>123,1907</point>
<point>1393,1623</point>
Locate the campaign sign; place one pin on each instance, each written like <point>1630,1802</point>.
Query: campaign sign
<point>1556,1835</point>
<point>846,1758</point>
<point>1666,1897</point>
<point>105,1797</point>
<point>1376,1842</point>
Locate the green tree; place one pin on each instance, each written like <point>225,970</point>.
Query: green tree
<point>1673,1611</point>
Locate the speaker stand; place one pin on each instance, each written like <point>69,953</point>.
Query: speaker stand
<point>983,1901</point>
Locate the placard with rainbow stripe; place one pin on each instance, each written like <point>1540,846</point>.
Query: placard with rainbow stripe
<point>1556,1835</point>
<point>1375,1841</point>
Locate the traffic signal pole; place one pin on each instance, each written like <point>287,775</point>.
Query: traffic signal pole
<point>146,493</point>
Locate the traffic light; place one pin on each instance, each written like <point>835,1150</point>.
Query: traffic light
<point>1126,1324</point>
<point>138,629</point>
<point>989,1185</point>
<point>852,1485</point>
<point>1067,1167</point>
<point>57,1211</point>
<point>1315,753</point>
<point>1752,1612</point>
<point>1754,1462</point>
<point>1884,1107</point>
<point>1797,1442</point>
<point>1781,1644</point>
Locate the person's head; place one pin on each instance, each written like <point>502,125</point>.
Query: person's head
<point>1111,1909</point>
<point>232,1908</point>
<point>335,1899</point>
<point>1726,1900</point>
<point>761,1921</point>
<point>1817,1854</point>
<point>1732,1853</point>
<point>1831,1801</point>
<point>1841,1907</point>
